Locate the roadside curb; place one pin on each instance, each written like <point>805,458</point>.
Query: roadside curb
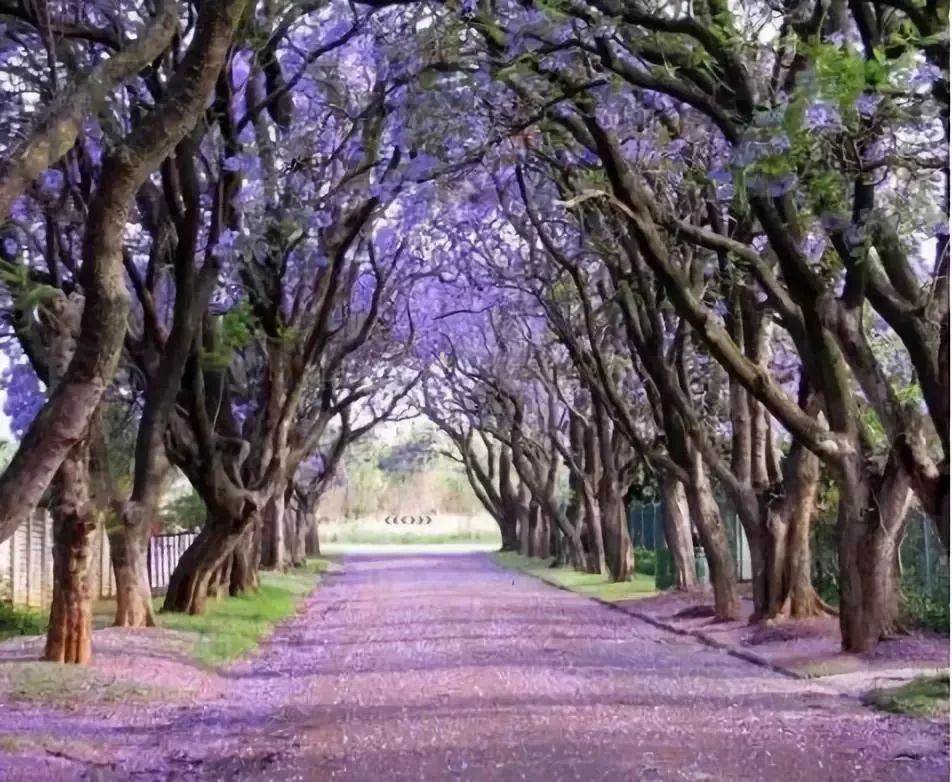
<point>740,654</point>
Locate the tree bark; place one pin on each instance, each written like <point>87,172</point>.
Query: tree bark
<point>128,551</point>
<point>710,529</point>
<point>64,419</point>
<point>790,590</point>
<point>509,514</point>
<point>870,520</point>
<point>677,533</point>
<point>69,636</point>
<point>188,586</point>
<point>274,543</point>
<point>243,577</point>
<point>61,123</point>
<point>312,541</point>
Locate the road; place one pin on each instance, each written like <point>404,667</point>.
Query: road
<point>436,666</point>
<point>446,667</point>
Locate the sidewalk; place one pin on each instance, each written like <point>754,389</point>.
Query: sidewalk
<point>803,649</point>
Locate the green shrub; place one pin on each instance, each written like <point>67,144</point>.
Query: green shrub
<point>15,620</point>
<point>926,609</point>
<point>924,697</point>
<point>644,561</point>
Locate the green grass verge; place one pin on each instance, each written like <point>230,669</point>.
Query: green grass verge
<point>41,681</point>
<point>16,620</point>
<point>597,586</point>
<point>927,696</point>
<point>234,626</point>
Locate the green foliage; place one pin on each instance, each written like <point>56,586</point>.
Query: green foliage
<point>186,511</point>
<point>120,431</point>
<point>589,584</point>
<point>233,626</point>
<point>645,561</point>
<point>16,620</point>
<point>234,331</point>
<point>924,598</point>
<point>27,294</point>
<point>926,608</point>
<point>927,696</point>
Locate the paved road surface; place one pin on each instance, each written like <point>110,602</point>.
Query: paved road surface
<point>437,666</point>
<point>445,667</point>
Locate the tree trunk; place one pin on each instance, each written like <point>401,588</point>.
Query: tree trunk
<point>677,533</point>
<point>64,420</point>
<point>619,555</point>
<point>869,525</point>
<point>128,551</point>
<point>707,518</point>
<point>596,561</point>
<point>525,521</point>
<point>508,530</point>
<point>188,586</point>
<point>69,636</point>
<point>535,514</point>
<point>221,581</point>
<point>244,572</point>
<point>790,590</point>
<point>312,541</point>
<point>274,543</point>
<point>298,520</point>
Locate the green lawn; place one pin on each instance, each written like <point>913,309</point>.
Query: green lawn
<point>596,586</point>
<point>46,683</point>
<point>927,696</point>
<point>233,626</point>
<point>17,620</point>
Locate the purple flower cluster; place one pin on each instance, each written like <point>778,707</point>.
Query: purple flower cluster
<point>24,396</point>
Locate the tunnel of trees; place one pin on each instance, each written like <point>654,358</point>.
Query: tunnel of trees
<point>697,247</point>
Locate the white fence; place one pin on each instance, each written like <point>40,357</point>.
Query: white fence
<point>26,562</point>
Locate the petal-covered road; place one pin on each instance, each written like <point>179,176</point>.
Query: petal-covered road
<point>450,668</point>
<point>446,667</point>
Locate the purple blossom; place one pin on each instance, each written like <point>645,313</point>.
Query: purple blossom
<point>242,410</point>
<point>866,104</point>
<point>24,397</point>
<point>941,229</point>
<point>231,163</point>
<point>225,245</point>
<point>837,39</point>
<point>855,234</point>
<point>925,75</point>
<point>822,115</point>
<point>813,247</point>
<point>51,183</point>
<point>20,210</point>
<point>832,223</point>
<point>385,238</point>
<point>10,246</point>
<point>783,184</point>
<point>756,183</point>
<point>874,152</point>
<point>747,153</point>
